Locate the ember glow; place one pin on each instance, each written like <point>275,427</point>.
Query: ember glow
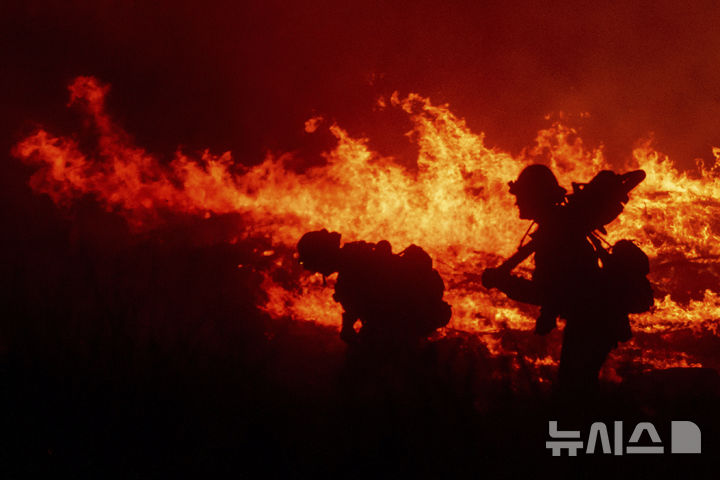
<point>455,204</point>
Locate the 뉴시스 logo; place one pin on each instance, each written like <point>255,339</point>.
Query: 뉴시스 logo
<point>684,438</point>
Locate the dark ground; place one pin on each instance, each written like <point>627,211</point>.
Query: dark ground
<point>144,356</point>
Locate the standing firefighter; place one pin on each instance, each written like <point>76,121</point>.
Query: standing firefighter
<point>568,280</point>
<point>397,298</point>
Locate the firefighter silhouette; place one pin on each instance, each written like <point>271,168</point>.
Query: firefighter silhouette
<point>568,280</point>
<point>396,298</point>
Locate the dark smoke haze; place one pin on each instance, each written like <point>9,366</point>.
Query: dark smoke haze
<point>246,75</point>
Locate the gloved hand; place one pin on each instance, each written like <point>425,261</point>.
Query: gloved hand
<point>491,277</point>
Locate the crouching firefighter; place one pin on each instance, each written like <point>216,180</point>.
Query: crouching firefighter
<point>396,298</point>
<point>568,281</point>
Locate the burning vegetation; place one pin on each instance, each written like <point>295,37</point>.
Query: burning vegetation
<point>453,201</point>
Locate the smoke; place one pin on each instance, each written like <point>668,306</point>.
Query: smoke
<point>246,76</point>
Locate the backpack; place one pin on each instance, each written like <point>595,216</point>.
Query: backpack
<point>603,198</point>
<point>627,267</point>
<point>423,290</point>
<point>395,295</point>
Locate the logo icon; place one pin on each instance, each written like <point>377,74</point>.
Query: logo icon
<point>685,437</point>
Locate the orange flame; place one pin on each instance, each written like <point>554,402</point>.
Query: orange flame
<point>456,205</point>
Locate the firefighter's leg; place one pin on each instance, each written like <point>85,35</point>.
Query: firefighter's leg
<point>583,353</point>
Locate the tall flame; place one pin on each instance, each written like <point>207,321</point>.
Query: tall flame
<point>455,204</point>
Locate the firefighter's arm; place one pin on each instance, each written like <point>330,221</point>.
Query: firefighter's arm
<point>516,288</point>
